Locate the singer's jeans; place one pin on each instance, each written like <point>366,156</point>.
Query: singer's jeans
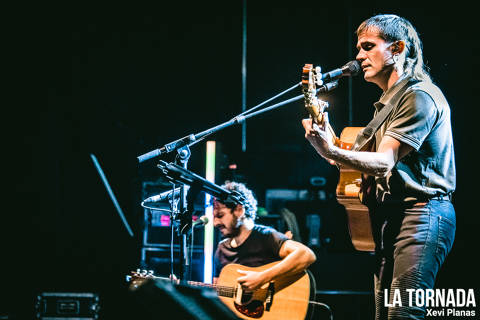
<point>412,244</point>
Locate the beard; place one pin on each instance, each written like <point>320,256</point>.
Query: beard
<point>229,232</point>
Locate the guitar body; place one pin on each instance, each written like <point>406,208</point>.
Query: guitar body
<point>348,189</point>
<point>285,298</point>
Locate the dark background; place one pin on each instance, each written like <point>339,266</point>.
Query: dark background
<point>119,81</point>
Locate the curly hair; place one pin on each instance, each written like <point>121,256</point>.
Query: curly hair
<point>248,198</point>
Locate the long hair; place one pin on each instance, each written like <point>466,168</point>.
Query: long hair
<point>394,28</point>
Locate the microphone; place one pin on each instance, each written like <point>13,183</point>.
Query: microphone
<point>329,86</point>
<point>350,69</point>
<point>203,220</point>
<point>164,195</point>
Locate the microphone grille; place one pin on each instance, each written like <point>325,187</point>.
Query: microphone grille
<point>353,68</point>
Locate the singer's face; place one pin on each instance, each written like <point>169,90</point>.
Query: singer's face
<point>225,219</point>
<point>375,57</point>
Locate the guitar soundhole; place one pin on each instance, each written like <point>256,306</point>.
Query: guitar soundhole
<point>246,297</point>
<point>253,310</point>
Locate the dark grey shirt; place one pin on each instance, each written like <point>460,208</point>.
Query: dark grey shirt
<point>421,119</point>
<point>261,247</point>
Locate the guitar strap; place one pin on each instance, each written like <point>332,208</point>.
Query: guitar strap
<point>367,134</point>
<point>365,142</point>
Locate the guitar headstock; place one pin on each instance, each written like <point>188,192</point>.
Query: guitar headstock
<point>136,278</point>
<point>311,78</point>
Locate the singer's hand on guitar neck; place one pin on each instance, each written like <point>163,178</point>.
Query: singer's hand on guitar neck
<point>319,137</point>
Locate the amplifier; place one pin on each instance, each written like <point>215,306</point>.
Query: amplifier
<point>67,305</point>
<point>157,230</point>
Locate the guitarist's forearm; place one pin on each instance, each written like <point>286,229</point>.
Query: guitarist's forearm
<point>376,164</point>
<point>296,261</point>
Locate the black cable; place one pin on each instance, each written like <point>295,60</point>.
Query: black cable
<point>325,306</point>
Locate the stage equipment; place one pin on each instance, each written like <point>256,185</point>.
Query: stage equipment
<point>160,246</point>
<point>208,231</point>
<point>179,301</point>
<point>67,306</point>
<point>111,194</point>
<point>177,172</point>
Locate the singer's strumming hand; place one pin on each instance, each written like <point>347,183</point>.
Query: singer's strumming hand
<point>251,280</point>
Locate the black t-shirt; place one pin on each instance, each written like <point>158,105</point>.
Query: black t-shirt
<point>261,247</point>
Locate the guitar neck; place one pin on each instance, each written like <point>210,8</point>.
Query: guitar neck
<point>319,119</point>
<point>335,139</point>
<point>224,291</point>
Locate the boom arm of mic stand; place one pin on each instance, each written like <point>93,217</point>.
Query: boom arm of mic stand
<point>177,144</point>
<point>323,89</point>
<point>239,119</point>
<point>192,139</point>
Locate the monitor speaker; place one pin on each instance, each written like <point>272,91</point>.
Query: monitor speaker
<point>158,298</point>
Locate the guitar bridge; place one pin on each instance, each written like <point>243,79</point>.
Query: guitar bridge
<point>246,305</point>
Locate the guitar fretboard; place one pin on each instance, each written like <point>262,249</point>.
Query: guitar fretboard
<point>221,290</point>
<point>224,291</point>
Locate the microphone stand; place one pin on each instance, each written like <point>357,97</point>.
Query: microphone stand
<point>181,146</point>
<point>178,174</point>
<point>183,155</point>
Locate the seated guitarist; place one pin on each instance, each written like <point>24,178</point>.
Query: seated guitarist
<point>254,245</point>
<point>412,163</point>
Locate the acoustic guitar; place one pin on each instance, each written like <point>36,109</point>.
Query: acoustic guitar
<point>349,188</point>
<point>287,297</point>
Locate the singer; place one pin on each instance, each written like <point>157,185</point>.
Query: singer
<point>410,165</point>
<point>254,245</point>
